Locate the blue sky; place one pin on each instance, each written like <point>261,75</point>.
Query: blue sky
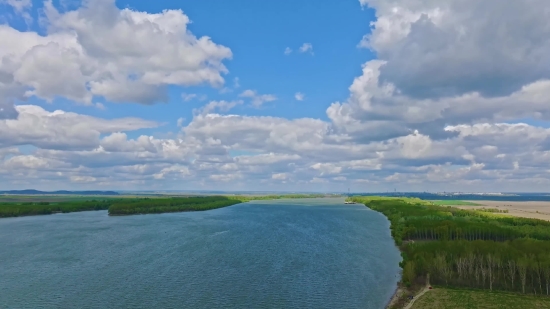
<point>388,94</point>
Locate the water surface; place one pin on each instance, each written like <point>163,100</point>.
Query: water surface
<point>314,253</point>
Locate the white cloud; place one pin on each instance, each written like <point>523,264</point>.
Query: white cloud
<point>83,179</point>
<point>176,171</point>
<point>327,168</point>
<point>452,47</point>
<point>306,47</point>
<point>225,177</point>
<point>61,130</point>
<point>257,99</point>
<point>188,96</point>
<point>298,152</point>
<point>376,110</point>
<point>88,53</point>
<point>447,106</point>
<point>222,106</point>
<point>288,51</point>
<point>236,83</point>
<point>299,96</point>
<point>279,176</point>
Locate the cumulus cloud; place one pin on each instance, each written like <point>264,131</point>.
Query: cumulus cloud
<point>88,52</point>
<point>288,51</point>
<point>301,151</point>
<point>452,47</point>
<point>61,130</point>
<point>257,99</point>
<point>448,105</point>
<point>373,104</point>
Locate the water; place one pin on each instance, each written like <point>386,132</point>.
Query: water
<point>315,253</point>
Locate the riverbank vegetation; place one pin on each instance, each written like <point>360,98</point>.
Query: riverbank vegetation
<point>174,204</point>
<point>467,248</point>
<point>15,209</point>
<point>132,205</point>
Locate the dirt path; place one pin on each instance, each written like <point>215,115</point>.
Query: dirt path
<point>409,305</point>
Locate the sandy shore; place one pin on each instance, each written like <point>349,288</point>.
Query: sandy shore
<point>536,210</point>
<point>398,292</point>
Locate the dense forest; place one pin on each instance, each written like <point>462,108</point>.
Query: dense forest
<point>135,205</point>
<point>13,209</point>
<point>174,204</point>
<point>467,248</point>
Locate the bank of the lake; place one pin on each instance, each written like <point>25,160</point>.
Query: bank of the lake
<point>307,253</point>
<point>18,206</point>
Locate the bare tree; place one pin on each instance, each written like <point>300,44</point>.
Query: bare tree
<point>538,270</point>
<point>491,262</point>
<point>522,270</point>
<point>512,269</point>
<point>460,267</point>
<point>478,264</point>
<point>546,272</point>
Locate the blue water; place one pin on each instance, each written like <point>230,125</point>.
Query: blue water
<point>315,253</point>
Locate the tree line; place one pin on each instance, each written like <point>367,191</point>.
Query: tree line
<point>129,206</point>
<point>521,265</point>
<point>467,248</point>
<point>45,208</point>
<point>176,204</point>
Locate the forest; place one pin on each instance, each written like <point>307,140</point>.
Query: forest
<point>14,209</point>
<point>134,205</point>
<point>467,248</point>
<point>192,203</point>
<point>174,204</point>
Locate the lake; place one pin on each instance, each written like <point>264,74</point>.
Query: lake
<point>304,253</point>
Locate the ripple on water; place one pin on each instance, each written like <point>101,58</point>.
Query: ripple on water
<point>270,254</point>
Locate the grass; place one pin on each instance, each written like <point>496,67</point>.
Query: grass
<point>444,298</point>
<point>454,203</point>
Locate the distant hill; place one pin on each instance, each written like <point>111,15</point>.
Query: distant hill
<point>61,192</point>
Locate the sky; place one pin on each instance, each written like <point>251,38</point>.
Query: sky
<point>370,95</point>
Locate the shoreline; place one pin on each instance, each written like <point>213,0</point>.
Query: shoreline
<point>394,298</point>
<point>399,290</point>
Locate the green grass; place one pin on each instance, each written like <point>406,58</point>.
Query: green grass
<point>454,203</point>
<point>444,298</point>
